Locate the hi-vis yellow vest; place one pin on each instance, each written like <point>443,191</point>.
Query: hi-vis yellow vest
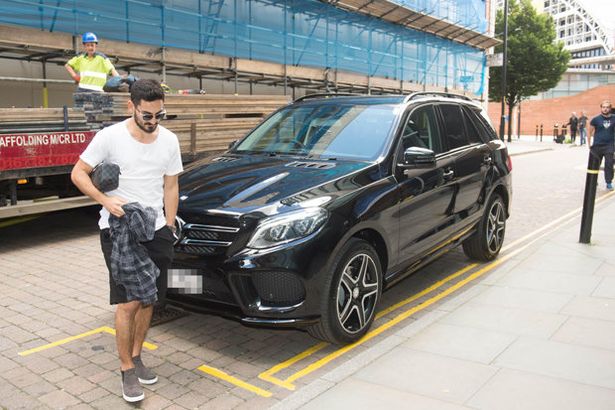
<point>93,71</point>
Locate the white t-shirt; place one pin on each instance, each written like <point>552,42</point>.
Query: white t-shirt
<point>142,166</point>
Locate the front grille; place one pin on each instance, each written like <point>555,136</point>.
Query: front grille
<point>199,250</point>
<point>278,288</point>
<point>204,239</point>
<point>208,235</point>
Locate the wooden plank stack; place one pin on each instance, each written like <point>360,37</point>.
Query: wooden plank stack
<point>204,123</point>
<point>39,120</point>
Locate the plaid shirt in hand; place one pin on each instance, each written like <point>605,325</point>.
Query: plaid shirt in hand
<point>131,265</point>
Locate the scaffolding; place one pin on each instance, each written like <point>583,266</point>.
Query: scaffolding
<point>426,43</point>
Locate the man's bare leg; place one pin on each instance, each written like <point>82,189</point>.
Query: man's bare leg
<point>143,318</point>
<point>124,332</point>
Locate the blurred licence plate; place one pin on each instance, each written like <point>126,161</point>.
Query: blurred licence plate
<point>186,281</point>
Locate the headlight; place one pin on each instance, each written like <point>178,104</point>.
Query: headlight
<point>287,227</point>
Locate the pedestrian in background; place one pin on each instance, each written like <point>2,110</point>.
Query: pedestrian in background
<point>149,159</point>
<point>603,129</point>
<point>573,123</point>
<point>583,127</point>
<point>91,68</point>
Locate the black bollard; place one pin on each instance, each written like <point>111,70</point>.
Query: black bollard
<point>593,165</point>
<point>540,132</point>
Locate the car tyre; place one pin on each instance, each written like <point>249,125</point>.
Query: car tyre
<point>486,242</point>
<point>353,291</point>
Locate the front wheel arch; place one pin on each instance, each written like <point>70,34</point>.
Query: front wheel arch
<point>352,290</point>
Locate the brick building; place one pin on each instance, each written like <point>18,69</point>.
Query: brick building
<point>554,110</point>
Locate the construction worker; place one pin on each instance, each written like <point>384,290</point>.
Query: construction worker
<point>90,69</point>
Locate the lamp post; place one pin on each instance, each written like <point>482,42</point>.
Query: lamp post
<point>503,116</point>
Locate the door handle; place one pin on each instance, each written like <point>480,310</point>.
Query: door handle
<point>448,174</point>
<point>487,160</point>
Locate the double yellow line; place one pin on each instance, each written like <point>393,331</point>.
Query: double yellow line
<point>288,383</point>
<point>523,243</point>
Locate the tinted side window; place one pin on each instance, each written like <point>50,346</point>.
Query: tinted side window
<point>474,136</point>
<point>454,131</point>
<point>422,130</point>
<point>486,132</point>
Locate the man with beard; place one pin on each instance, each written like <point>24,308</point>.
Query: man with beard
<point>149,159</point>
<point>603,128</point>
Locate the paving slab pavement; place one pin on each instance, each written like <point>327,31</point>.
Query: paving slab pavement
<point>455,350</point>
<point>537,333</point>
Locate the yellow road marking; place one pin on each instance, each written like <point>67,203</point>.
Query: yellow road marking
<point>233,380</point>
<point>268,375</point>
<point>147,345</point>
<point>103,329</point>
<point>402,316</point>
<point>288,383</point>
<point>61,342</point>
<point>426,291</point>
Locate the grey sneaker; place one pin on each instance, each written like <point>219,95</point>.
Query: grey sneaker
<point>131,389</point>
<point>145,375</point>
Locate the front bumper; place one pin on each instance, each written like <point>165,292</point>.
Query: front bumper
<point>277,287</point>
<point>230,312</point>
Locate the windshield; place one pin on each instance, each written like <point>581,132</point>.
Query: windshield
<point>324,131</point>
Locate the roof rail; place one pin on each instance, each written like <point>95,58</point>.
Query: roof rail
<point>436,94</point>
<point>325,95</point>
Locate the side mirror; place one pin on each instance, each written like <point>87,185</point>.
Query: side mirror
<point>417,157</point>
<point>232,144</point>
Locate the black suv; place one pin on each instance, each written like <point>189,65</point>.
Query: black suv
<point>332,199</point>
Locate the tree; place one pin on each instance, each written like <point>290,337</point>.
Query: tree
<point>536,62</point>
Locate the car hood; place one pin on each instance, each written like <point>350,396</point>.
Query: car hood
<point>245,183</point>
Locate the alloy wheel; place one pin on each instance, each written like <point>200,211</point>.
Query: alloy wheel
<point>496,225</point>
<point>357,293</point>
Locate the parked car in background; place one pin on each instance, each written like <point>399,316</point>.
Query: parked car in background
<point>332,199</point>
